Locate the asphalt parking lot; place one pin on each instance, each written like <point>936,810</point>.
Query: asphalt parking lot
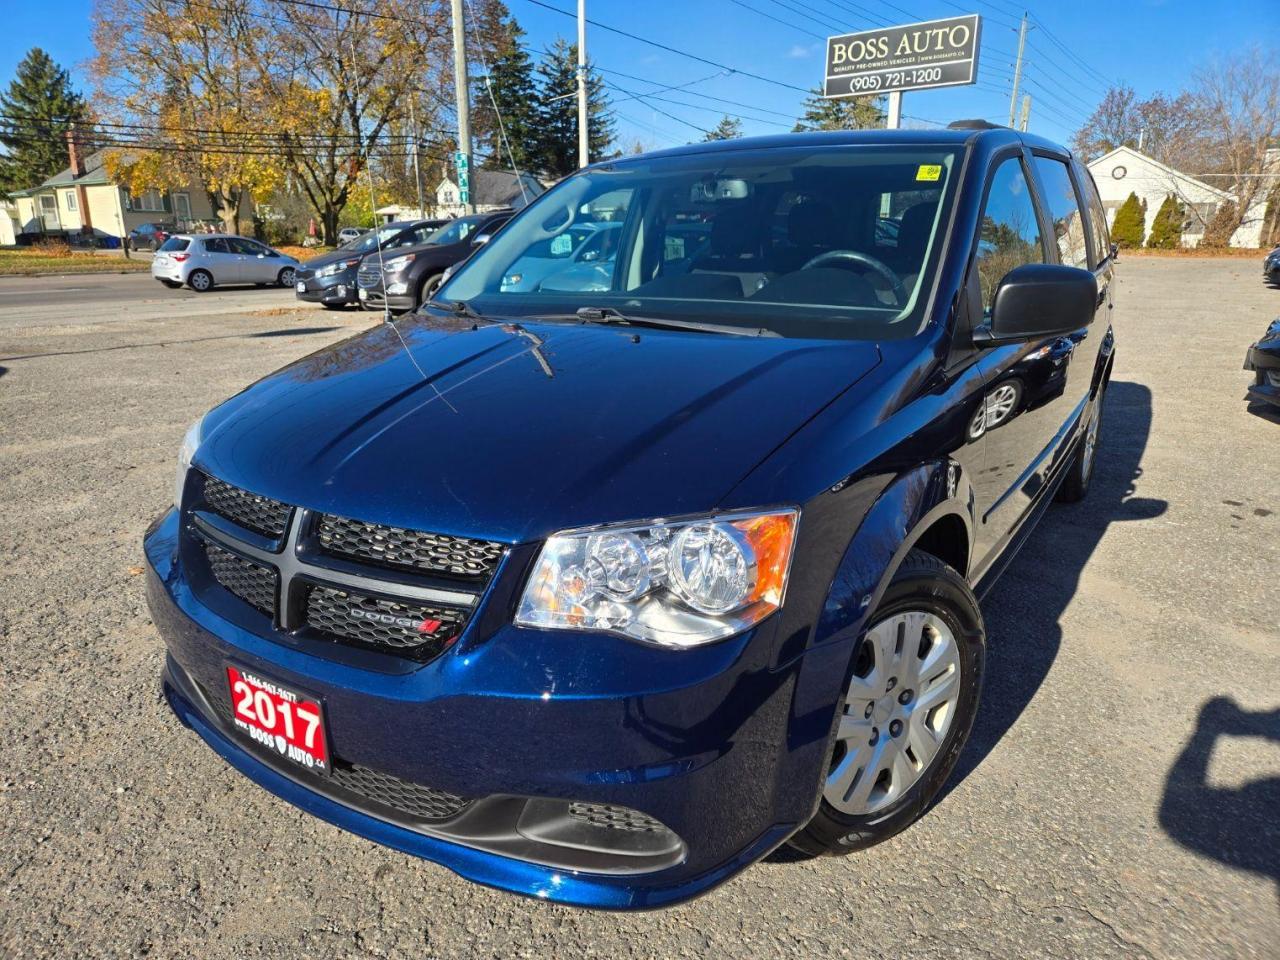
<point>1119,798</point>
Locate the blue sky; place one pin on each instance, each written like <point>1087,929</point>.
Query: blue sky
<point>1149,44</point>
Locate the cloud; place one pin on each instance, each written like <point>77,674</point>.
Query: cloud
<point>798,52</point>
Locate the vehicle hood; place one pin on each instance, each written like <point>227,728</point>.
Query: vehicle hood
<point>333,256</point>
<point>510,432</point>
<point>442,253</point>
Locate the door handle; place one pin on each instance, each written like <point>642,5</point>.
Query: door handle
<point>1102,294</point>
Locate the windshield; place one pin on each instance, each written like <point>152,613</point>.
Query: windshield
<point>811,241</point>
<point>454,230</point>
<point>366,241</point>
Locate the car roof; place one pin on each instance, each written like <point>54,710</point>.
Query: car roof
<point>853,138</point>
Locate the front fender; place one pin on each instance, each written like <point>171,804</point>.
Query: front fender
<point>893,524</point>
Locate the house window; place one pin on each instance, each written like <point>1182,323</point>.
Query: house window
<point>182,205</point>
<point>149,201</point>
<point>71,200</point>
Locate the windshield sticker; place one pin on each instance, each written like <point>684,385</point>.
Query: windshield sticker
<point>561,245</point>
<point>928,172</point>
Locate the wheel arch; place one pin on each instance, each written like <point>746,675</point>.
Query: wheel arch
<point>931,508</point>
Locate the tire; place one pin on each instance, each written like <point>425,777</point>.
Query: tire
<point>285,277</point>
<point>427,288</point>
<point>171,284</point>
<point>876,731</point>
<point>201,281</point>
<point>333,306</point>
<point>1075,485</point>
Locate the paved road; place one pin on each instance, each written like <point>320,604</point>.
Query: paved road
<point>1119,798</point>
<point>104,298</point>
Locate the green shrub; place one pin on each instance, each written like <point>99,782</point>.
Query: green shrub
<point>1127,231</point>
<point>1166,228</point>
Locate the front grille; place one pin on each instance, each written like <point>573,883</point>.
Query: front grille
<point>370,274</point>
<point>251,582</point>
<point>614,818</point>
<point>417,631</point>
<point>303,273</point>
<point>412,800</point>
<point>259,514</point>
<point>408,549</point>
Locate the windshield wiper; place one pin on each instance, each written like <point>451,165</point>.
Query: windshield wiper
<point>610,315</point>
<point>457,307</point>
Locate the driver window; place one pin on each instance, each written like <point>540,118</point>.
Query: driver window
<point>1010,232</point>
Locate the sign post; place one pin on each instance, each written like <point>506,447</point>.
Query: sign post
<point>913,56</point>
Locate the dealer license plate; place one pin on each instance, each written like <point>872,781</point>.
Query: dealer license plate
<point>279,719</point>
<point>300,287</point>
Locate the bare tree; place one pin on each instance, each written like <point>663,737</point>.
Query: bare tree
<point>1162,127</point>
<point>1237,103</point>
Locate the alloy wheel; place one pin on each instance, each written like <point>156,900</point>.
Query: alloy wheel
<point>199,281</point>
<point>898,709</point>
<point>1091,438</point>
<point>286,277</point>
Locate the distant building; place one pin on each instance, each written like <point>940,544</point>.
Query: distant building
<point>1124,171</point>
<point>83,198</point>
<point>490,190</point>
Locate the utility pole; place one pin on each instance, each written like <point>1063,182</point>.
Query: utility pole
<point>417,173</point>
<point>894,120</point>
<point>584,134</point>
<point>1026,113</point>
<point>462,94</point>
<point>1017,70</point>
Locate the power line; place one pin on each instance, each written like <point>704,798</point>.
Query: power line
<point>662,46</point>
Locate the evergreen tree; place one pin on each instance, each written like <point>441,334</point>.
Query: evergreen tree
<point>729,128</point>
<point>512,89</point>
<point>1166,228</point>
<point>846,113</point>
<point>558,118</point>
<point>37,111</point>
<point>1128,229</point>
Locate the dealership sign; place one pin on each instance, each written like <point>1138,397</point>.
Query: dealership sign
<point>936,53</point>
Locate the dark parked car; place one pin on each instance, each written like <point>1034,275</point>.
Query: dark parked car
<point>599,596</point>
<point>330,279</point>
<point>403,281</point>
<point>149,236</point>
<point>1271,267</point>
<point>1263,359</point>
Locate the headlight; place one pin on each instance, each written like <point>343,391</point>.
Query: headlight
<point>190,441</point>
<point>333,269</point>
<point>678,583</point>
<point>398,263</point>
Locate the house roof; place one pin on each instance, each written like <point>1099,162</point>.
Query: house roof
<point>95,172</point>
<point>1163,168</point>
<point>500,188</point>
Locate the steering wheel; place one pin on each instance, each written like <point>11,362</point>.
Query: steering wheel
<point>843,258</point>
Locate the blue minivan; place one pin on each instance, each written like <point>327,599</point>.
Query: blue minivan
<point>601,593</point>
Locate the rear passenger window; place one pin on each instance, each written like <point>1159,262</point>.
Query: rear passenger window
<point>1010,232</point>
<point>1064,210</point>
<point>218,245</point>
<point>1097,220</point>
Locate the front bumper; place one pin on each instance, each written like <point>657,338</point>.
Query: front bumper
<point>376,298</point>
<point>340,288</point>
<point>705,741</point>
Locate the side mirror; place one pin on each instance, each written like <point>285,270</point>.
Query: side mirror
<point>481,240</point>
<point>1039,300</point>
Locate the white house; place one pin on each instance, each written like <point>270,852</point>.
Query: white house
<point>490,190</point>
<point>1124,171</point>
<point>84,199</point>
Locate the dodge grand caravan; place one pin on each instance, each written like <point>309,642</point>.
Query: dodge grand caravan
<point>602,594</point>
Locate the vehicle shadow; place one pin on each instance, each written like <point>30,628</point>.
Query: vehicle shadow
<point>1235,826</point>
<point>1023,612</point>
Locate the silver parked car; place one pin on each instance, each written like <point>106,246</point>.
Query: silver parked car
<point>203,260</point>
<point>347,234</point>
